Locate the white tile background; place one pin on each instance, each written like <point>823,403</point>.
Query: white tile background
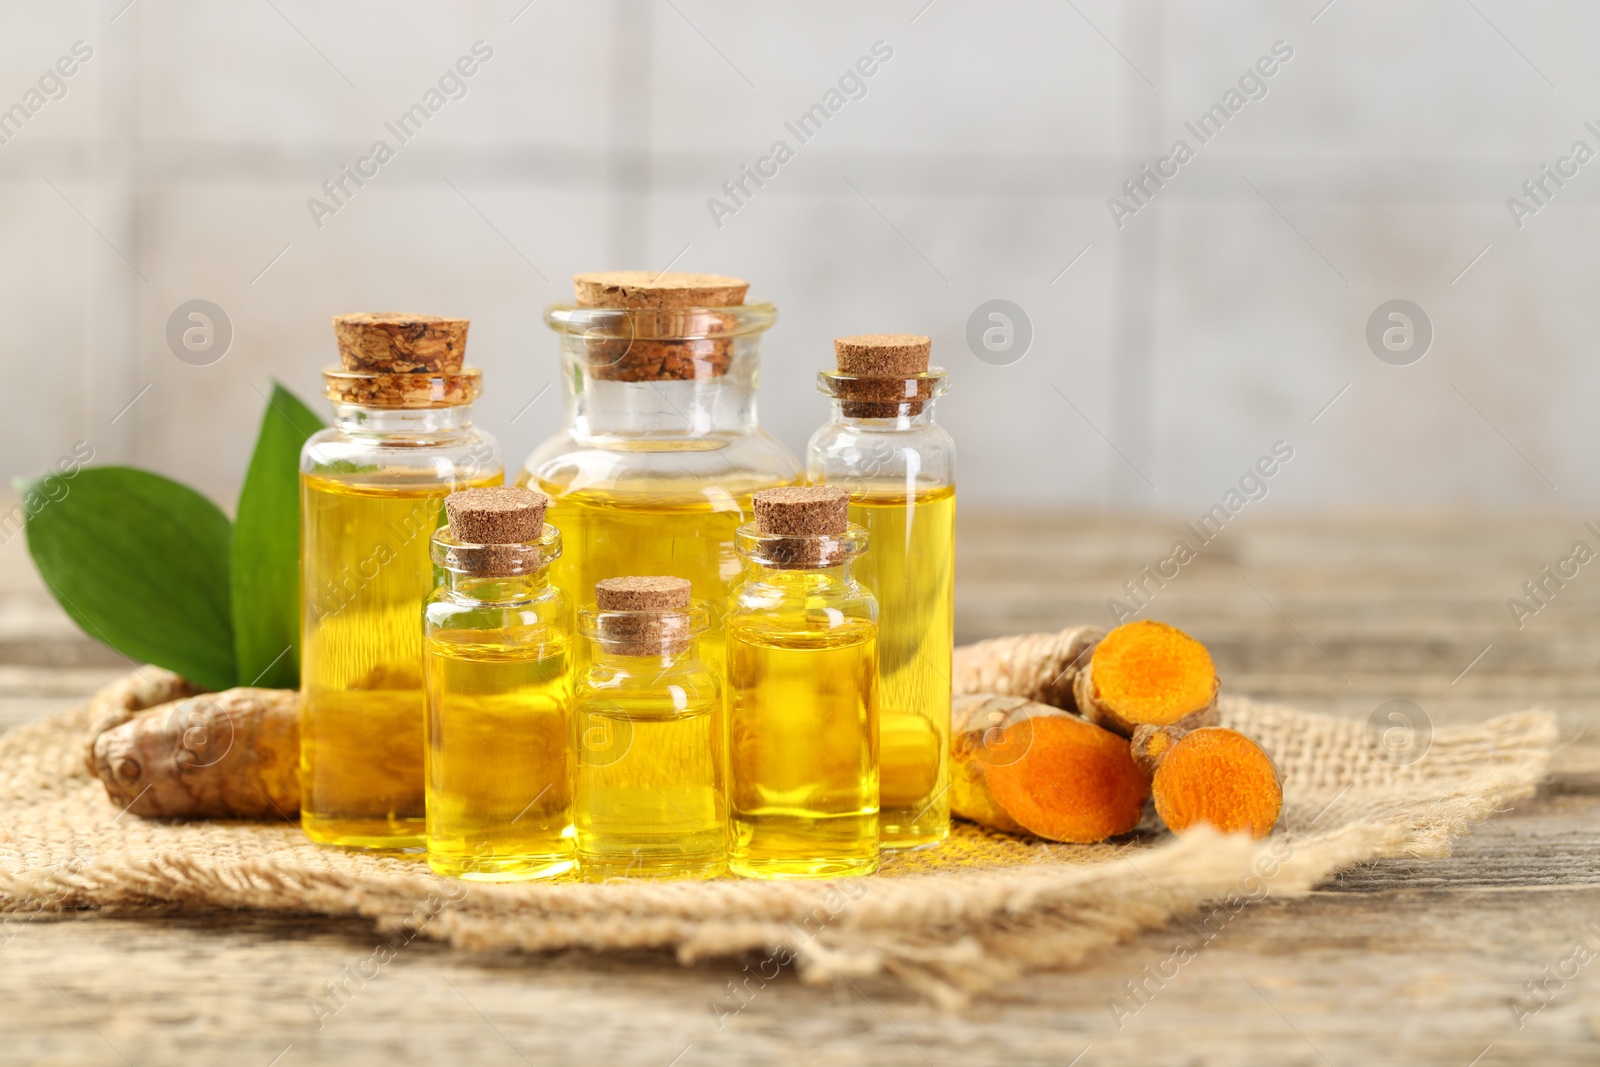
<point>1169,357</point>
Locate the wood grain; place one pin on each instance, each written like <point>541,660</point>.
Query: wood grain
<point>1401,962</point>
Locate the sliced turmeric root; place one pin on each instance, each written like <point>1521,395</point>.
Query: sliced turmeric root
<point>1212,775</point>
<point>1020,765</point>
<point>1147,673</point>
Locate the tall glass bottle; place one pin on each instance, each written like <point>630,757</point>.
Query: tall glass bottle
<point>661,452</point>
<point>371,490</point>
<point>497,643</point>
<point>898,465</point>
<point>802,702</point>
<point>651,800</point>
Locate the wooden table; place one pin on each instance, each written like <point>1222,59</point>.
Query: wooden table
<point>1405,962</point>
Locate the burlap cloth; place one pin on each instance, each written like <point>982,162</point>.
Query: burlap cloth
<point>981,909</point>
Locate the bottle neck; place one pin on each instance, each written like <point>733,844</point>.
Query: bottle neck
<point>801,581</point>
<point>424,424</point>
<point>670,654</point>
<point>709,408</point>
<point>497,590</point>
<point>844,414</point>
<point>661,378</point>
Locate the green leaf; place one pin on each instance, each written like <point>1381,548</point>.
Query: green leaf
<point>140,562</point>
<point>266,548</point>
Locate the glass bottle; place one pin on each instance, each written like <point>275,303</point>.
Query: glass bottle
<point>371,490</point>
<point>661,452</point>
<point>497,640</point>
<point>651,800</point>
<point>802,704</point>
<point>898,465</point>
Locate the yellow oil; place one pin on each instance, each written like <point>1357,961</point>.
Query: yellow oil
<point>650,798</point>
<point>688,534</point>
<point>499,756</point>
<point>365,576</point>
<point>803,759</point>
<point>908,567</point>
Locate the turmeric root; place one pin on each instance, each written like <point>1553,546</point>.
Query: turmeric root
<point>1020,765</point>
<point>1210,775</point>
<point>234,754</point>
<point>1038,667</point>
<point>130,695</point>
<point>1147,673</point>
<point>977,739</point>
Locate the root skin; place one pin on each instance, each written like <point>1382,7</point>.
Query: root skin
<point>130,695</point>
<point>234,754</point>
<point>1020,765</point>
<point>1040,667</point>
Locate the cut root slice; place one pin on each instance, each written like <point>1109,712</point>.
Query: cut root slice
<point>1219,777</point>
<point>1072,780</point>
<point>1148,674</point>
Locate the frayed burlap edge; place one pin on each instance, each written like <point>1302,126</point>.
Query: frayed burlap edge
<point>979,912</point>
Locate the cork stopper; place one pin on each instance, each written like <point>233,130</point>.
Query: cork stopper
<point>647,289</point>
<point>391,359</point>
<point>495,532</point>
<point>644,616</point>
<point>889,364</point>
<point>654,593</point>
<point>394,342</point>
<point>803,510</point>
<point>669,333</point>
<point>496,515</point>
<point>882,355</point>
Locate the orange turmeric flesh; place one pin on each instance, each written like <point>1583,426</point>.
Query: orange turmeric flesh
<point>1220,777</point>
<point>1076,782</point>
<point>1149,672</point>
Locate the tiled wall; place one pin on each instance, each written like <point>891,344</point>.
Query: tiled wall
<point>1223,316</point>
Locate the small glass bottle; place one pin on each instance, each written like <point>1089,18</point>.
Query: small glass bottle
<point>371,490</point>
<point>661,451</point>
<point>898,465</point>
<point>497,637</point>
<point>802,704</point>
<point>651,801</point>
